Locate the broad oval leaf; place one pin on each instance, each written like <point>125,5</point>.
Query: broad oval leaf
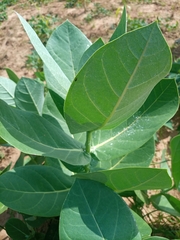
<point>127,179</point>
<point>159,107</point>
<point>72,43</point>
<point>117,79</point>
<point>59,83</point>
<point>17,229</point>
<point>92,211</point>
<point>35,135</point>
<point>35,190</point>
<point>7,89</point>
<point>141,157</point>
<point>175,153</point>
<point>29,95</point>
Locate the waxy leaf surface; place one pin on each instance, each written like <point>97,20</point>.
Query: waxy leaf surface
<point>127,179</point>
<point>59,83</point>
<point>35,190</point>
<point>7,88</point>
<point>117,79</point>
<point>92,211</point>
<point>160,106</point>
<point>35,135</point>
<point>141,157</point>
<point>29,95</point>
<point>72,43</point>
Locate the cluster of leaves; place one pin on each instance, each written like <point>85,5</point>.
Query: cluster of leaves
<point>136,23</point>
<point>43,26</point>
<point>3,7</point>
<point>89,140</point>
<point>166,26</point>
<point>39,2</point>
<point>76,3</point>
<point>70,3</point>
<point>175,72</point>
<point>98,11</point>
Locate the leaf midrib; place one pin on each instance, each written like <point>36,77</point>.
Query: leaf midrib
<point>129,82</point>
<point>125,129</point>
<point>95,221</point>
<point>40,143</point>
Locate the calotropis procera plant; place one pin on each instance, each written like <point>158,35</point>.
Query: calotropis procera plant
<point>93,129</point>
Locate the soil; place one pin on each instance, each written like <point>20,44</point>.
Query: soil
<point>15,44</point>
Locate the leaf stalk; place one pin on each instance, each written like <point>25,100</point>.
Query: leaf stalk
<point>88,141</point>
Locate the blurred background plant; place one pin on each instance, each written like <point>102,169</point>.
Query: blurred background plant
<point>97,11</point>
<point>3,8</point>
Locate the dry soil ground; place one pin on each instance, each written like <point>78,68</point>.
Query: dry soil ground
<point>14,44</point>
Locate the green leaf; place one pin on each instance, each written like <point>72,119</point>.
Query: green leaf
<point>160,106</point>
<point>59,101</point>
<point>35,190</point>
<point>142,196</point>
<point>103,216</point>
<point>143,227</point>
<point>16,229</point>
<point>51,112</point>
<point>2,141</point>
<point>72,43</point>
<point>155,238</point>
<point>124,72</point>
<point>141,157</point>
<point>165,203</point>
<point>127,179</point>
<point>173,201</point>
<point>35,135</point>
<point>7,168</point>
<point>122,26</point>
<point>3,208</point>
<point>29,95</point>
<point>59,83</point>
<point>175,153</point>
<point>12,75</point>
<point>7,88</point>
<point>90,51</point>
<point>164,163</point>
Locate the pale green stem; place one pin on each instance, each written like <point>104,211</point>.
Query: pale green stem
<point>88,147</point>
<point>88,142</point>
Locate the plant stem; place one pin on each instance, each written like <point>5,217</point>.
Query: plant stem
<point>88,142</point>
